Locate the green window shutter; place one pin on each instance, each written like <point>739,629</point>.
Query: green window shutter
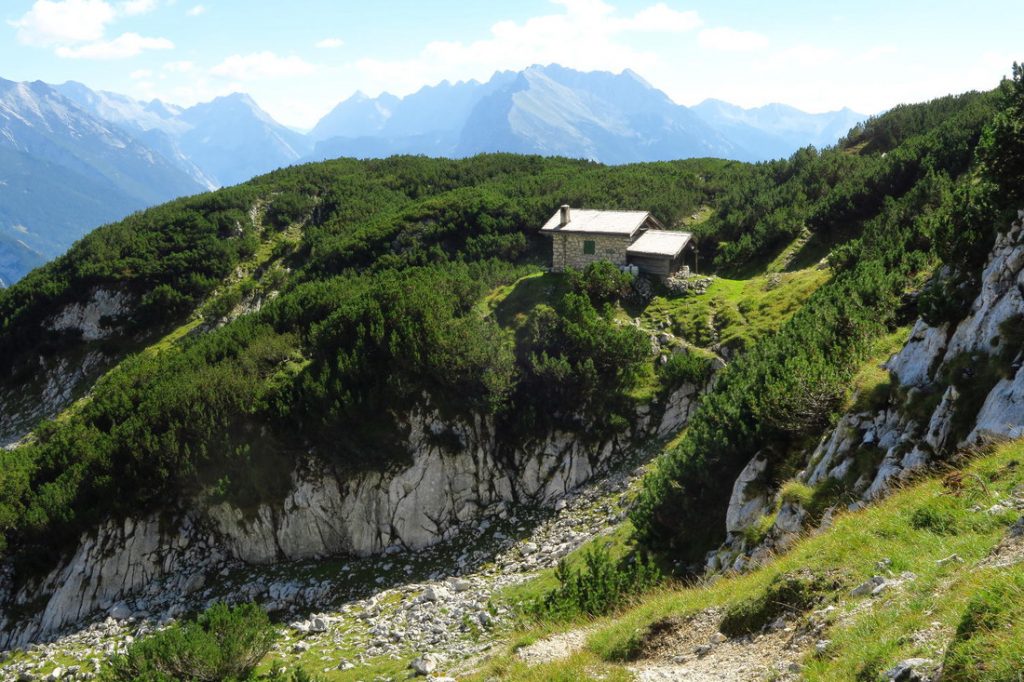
<point>588,248</point>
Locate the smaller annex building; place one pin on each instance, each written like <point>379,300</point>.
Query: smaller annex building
<point>583,236</point>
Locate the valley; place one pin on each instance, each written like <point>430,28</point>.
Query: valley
<point>353,396</point>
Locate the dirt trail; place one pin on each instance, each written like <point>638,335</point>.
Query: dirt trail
<point>554,648</point>
<point>692,649</point>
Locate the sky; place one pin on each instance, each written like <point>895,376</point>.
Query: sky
<point>300,58</point>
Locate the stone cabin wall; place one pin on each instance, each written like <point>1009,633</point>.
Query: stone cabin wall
<point>567,250</point>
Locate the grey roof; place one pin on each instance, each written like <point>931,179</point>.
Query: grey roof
<point>660,243</point>
<point>597,222</point>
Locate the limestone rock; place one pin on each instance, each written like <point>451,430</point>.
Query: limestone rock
<point>404,508</point>
<point>911,670</point>
<point>425,664</point>
<point>749,501</point>
<point>914,364</point>
<point>88,318</point>
<point>1002,414</point>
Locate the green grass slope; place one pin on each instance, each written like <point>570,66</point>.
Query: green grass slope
<point>951,547</point>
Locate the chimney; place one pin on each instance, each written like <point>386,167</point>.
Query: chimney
<point>565,215</point>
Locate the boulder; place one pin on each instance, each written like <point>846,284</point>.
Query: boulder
<point>434,593</point>
<point>749,501</point>
<point>425,664</point>
<point>913,365</point>
<point>911,670</point>
<point>120,611</point>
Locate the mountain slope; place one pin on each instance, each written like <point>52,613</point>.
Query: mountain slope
<point>155,124</point>
<point>36,228</point>
<point>66,172</point>
<point>776,130</point>
<point>554,110</point>
<point>37,120</point>
<point>924,581</point>
<point>232,139</point>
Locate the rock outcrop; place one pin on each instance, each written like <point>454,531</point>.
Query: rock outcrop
<point>749,501</point>
<point>406,508</point>
<point>94,319</point>
<point>59,380</point>
<point>925,416</point>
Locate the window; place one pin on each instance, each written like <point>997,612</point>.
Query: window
<point>588,248</point>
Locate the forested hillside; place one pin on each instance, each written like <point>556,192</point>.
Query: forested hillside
<point>366,276</point>
<point>922,186</point>
<point>208,349</point>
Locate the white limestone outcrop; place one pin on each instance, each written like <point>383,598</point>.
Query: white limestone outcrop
<point>92,318</point>
<point>58,380</point>
<point>408,507</point>
<point>869,452</point>
<point>749,500</point>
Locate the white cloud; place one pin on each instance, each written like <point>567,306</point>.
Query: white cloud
<point>260,65</point>
<point>183,66</point>
<point>729,39</point>
<point>586,35</point>
<point>876,53</point>
<point>133,7</point>
<point>121,47</point>
<point>60,22</point>
<point>139,74</point>
<point>662,18</point>
<point>330,43</point>
<point>196,11</point>
<point>809,56</point>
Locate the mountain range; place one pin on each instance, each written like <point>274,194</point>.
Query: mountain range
<point>74,158</point>
<point>552,110</point>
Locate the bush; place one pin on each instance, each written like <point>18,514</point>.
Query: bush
<point>974,375</point>
<point>1002,146</point>
<point>289,208</point>
<point>601,585</point>
<point>1011,344</point>
<point>602,282</point>
<point>797,492</point>
<point>686,368</point>
<point>221,306</point>
<point>936,516</point>
<point>223,644</point>
<point>756,533</point>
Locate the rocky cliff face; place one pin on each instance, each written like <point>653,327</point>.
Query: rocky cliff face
<point>59,380</point>
<point>149,565</point>
<point>952,387</point>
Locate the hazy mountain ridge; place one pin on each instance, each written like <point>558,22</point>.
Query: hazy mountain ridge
<point>65,171</point>
<point>776,129</point>
<point>222,142</point>
<point>75,158</point>
<point>232,139</point>
<point>553,110</point>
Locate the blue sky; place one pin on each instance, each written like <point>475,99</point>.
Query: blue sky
<point>298,59</point>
